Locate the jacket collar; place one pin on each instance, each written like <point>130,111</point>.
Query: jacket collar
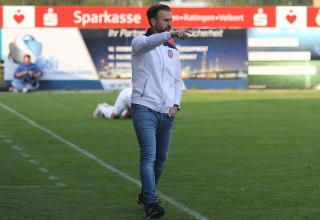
<point>149,32</point>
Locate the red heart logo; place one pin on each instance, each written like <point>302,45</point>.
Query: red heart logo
<point>291,18</point>
<point>18,18</point>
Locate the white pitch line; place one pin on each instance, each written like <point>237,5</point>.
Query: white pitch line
<point>34,161</point>
<point>102,163</point>
<point>8,141</point>
<point>25,155</point>
<point>53,178</point>
<point>16,147</point>
<point>43,169</point>
<point>61,184</point>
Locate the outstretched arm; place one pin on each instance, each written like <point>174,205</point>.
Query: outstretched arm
<point>142,44</point>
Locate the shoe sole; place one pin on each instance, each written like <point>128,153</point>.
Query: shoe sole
<point>156,215</point>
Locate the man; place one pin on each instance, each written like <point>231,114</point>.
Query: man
<point>155,99</point>
<point>121,108</point>
<point>26,76</point>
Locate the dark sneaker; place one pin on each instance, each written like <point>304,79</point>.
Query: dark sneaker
<point>140,200</point>
<point>154,210</point>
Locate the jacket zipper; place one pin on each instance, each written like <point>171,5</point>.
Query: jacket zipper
<point>163,88</point>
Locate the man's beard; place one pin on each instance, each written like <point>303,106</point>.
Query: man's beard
<point>160,30</point>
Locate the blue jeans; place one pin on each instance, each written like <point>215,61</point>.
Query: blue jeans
<point>153,130</point>
<point>19,84</point>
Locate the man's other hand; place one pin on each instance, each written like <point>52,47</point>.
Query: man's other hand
<point>173,112</point>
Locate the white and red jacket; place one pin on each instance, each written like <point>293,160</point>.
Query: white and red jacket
<point>156,77</point>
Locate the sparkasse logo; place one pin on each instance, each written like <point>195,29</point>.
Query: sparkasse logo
<point>105,18</point>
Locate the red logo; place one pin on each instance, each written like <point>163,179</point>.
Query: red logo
<point>291,17</point>
<point>18,17</point>
<point>170,53</point>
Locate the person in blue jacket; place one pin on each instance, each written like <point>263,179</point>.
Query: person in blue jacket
<point>26,76</point>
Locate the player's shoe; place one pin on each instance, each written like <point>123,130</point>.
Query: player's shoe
<point>14,90</point>
<point>105,105</point>
<point>97,113</point>
<point>25,90</point>
<point>154,210</point>
<point>140,200</point>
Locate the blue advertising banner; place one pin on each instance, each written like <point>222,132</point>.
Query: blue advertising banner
<point>210,58</point>
<point>72,58</point>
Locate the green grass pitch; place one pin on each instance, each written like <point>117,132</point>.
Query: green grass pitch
<point>234,155</point>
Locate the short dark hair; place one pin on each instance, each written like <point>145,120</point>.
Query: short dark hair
<point>154,10</point>
<point>27,55</point>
